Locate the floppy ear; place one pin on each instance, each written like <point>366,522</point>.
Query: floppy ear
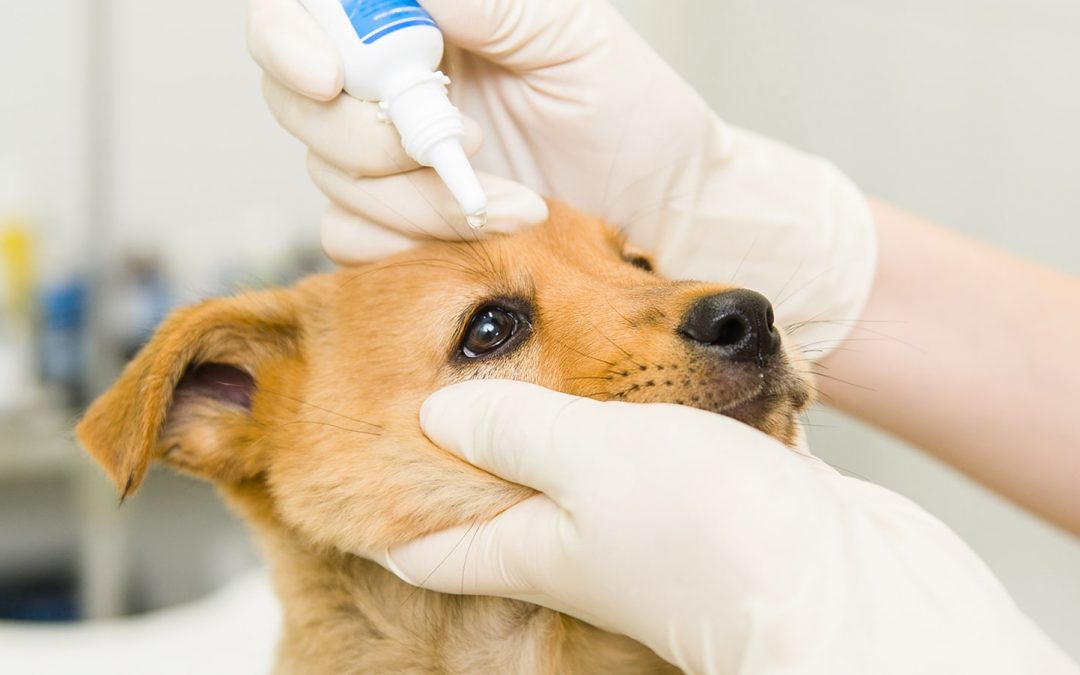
<point>187,397</point>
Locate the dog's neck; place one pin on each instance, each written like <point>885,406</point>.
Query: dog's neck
<point>345,614</point>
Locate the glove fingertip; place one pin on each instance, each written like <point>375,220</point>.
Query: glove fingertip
<point>513,211</point>
<point>474,136</point>
<point>512,206</point>
<point>349,240</point>
<point>287,43</point>
<point>311,69</point>
<point>438,415</point>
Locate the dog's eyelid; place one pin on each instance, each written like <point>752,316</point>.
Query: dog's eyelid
<point>518,309</point>
<point>639,260</point>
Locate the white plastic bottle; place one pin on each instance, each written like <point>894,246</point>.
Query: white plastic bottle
<point>391,51</point>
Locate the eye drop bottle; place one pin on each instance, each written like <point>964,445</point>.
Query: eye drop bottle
<point>391,51</point>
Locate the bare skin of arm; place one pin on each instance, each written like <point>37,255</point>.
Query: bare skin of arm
<point>981,366</point>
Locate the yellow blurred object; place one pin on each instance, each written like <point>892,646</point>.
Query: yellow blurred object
<point>16,264</point>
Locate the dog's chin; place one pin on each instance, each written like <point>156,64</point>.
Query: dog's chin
<point>770,412</point>
<point>768,400</point>
<point>754,410</point>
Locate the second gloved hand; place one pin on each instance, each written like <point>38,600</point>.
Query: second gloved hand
<point>576,106</point>
<point>713,544</point>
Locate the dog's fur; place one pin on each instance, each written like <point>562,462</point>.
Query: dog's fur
<point>301,406</point>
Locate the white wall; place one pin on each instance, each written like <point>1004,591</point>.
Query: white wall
<point>193,140</point>
<point>43,107</point>
<point>966,111</point>
<point>199,164</point>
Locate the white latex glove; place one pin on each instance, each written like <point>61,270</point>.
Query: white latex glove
<point>713,544</point>
<point>577,107</point>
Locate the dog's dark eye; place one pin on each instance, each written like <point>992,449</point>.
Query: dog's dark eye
<point>640,262</point>
<point>489,329</point>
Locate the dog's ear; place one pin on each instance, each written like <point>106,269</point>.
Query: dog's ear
<point>187,397</point>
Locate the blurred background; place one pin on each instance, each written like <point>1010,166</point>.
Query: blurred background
<point>139,169</point>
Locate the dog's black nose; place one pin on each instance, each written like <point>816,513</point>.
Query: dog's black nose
<point>738,322</point>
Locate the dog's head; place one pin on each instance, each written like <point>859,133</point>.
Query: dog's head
<point>306,399</point>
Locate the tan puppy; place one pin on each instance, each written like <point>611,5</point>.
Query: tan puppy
<point>301,405</point>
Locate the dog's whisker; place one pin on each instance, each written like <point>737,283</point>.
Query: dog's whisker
<point>839,341</point>
<point>745,256</point>
<point>628,355</point>
<point>438,566</point>
<point>278,427</point>
<point>857,325</point>
<point>804,421</point>
<point>816,390</point>
<point>620,314</point>
<point>331,425</point>
<point>386,205</point>
<point>589,377</point>
<point>791,278</point>
<point>798,325</point>
<point>843,381</point>
<point>601,333</point>
<point>432,263</point>
<point>581,353</point>
<point>669,199</point>
<point>812,362</point>
<point>404,170</point>
<point>838,467</point>
<point>830,349</point>
<point>596,395</point>
<point>465,562</point>
<point>474,245</point>
<point>309,404</point>
<point>800,289</point>
<point>636,217</point>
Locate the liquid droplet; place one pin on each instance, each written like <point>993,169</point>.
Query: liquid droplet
<point>476,220</point>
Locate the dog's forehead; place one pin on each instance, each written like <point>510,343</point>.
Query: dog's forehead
<point>426,294</point>
<point>565,248</point>
<point>504,261</point>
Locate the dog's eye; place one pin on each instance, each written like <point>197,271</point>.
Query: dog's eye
<point>640,262</point>
<point>488,330</point>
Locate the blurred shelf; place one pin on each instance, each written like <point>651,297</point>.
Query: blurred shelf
<point>36,445</point>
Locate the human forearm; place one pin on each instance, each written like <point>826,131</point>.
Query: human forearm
<point>975,360</point>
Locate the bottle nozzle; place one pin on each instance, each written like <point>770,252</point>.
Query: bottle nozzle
<point>450,162</point>
<point>431,132</point>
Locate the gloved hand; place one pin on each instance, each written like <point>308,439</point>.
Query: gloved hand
<point>578,107</point>
<point>713,544</point>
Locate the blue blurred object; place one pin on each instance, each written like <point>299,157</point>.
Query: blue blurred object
<point>63,322</point>
<point>49,598</point>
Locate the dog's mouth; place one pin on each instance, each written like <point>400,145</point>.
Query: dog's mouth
<point>756,407</point>
<point>748,407</point>
<point>768,397</point>
<point>772,410</point>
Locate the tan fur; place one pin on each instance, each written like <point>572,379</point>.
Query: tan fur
<point>330,466</point>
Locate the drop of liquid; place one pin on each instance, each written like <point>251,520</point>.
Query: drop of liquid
<point>476,220</point>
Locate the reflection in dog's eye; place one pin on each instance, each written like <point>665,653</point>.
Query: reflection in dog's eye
<point>489,329</point>
<point>640,262</point>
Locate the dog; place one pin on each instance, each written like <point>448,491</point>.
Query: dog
<point>301,406</point>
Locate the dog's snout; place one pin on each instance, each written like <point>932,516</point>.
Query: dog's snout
<point>739,323</point>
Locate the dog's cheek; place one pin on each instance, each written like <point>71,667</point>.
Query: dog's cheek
<point>364,500</point>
